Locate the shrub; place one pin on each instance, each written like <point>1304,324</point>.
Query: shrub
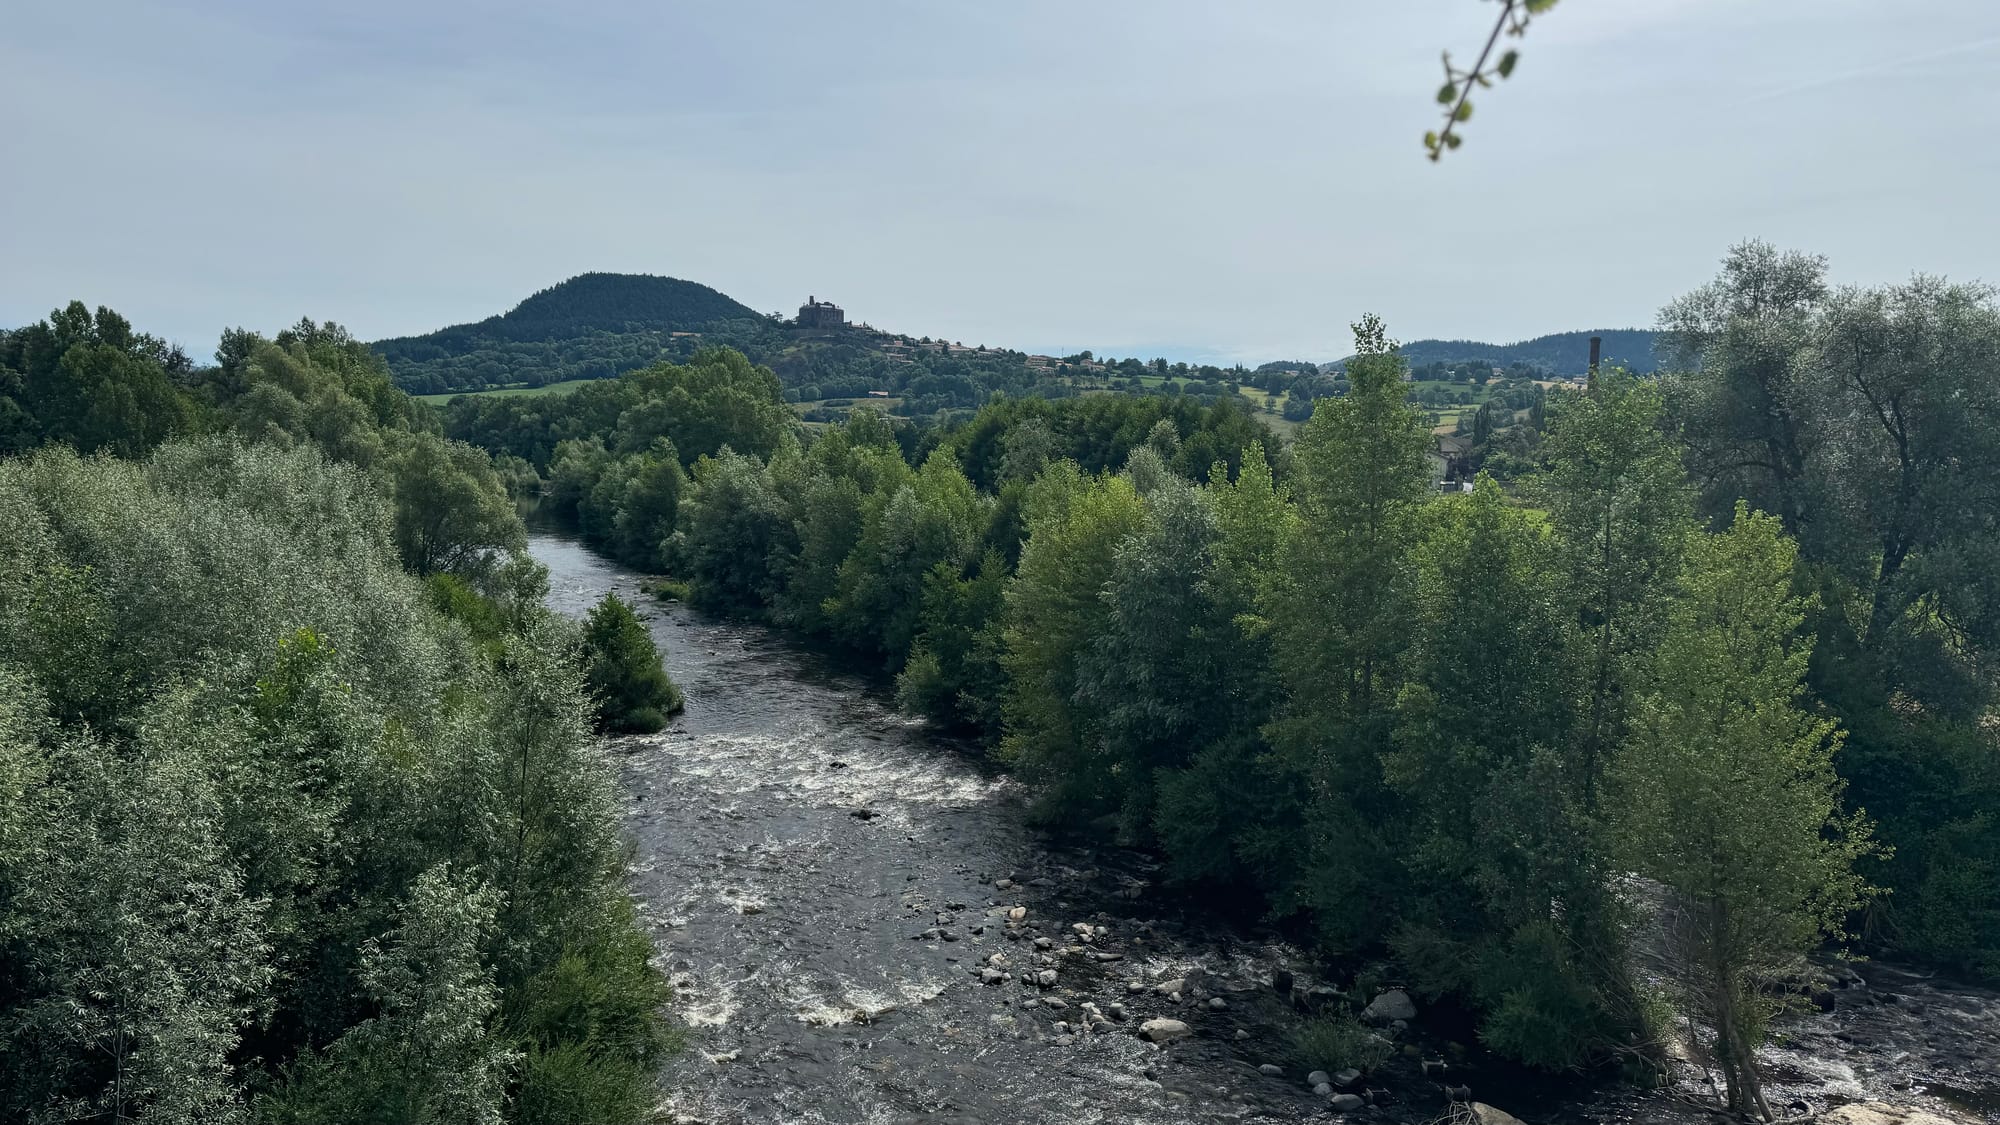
<point>1338,1043</point>
<point>633,693</point>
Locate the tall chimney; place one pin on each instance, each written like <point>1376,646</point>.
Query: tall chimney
<point>1596,346</point>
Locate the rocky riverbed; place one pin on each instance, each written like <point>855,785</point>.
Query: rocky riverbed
<point>860,930</point>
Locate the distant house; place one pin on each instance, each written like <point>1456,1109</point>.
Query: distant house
<point>878,394</point>
<point>1451,462</point>
<point>816,313</point>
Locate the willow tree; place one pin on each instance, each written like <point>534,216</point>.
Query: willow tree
<point>1725,793</point>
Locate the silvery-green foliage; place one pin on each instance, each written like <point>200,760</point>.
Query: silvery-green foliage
<point>555,844</point>
<point>144,958</point>
<point>429,1055</point>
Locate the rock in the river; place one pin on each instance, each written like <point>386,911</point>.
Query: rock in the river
<point>1043,943</point>
<point>1164,1031</point>
<point>1390,1006</point>
<point>1346,1078</point>
<point>1217,1003</point>
<point>991,976</point>
<point>1318,1078</point>
<point>1487,1115</point>
<point>1017,913</point>
<point>1271,1070</point>
<point>1323,1089</point>
<point>1882,1113</point>
<point>1169,987</point>
<point>1347,1103</point>
<point>1046,978</point>
<point>1115,1011</point>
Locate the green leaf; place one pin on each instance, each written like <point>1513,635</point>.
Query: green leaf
<point>1447,92</point>
<point>1431,141</point>
<point>1452,140</point>
<point>1463,112</point>
<point>1507,62</point>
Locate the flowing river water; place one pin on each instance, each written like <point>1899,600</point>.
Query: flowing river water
<point>829,888</point>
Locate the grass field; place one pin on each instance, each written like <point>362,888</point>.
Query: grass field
<point>544,389</point>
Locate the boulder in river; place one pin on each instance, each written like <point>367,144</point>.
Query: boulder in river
<point>1347,1103</point>
<point>1271,1070</point>
<point>1164,1030</point>
<point>1390,1006</point>
<point>1485,1114</point>
<point>1015,914</point>
<point>991,976</point>
<point>1319,1078</point>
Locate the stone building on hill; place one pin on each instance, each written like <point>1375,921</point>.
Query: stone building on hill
<point>816,313</point>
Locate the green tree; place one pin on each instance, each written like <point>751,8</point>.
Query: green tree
<point>1055,610</point>
<point>430,1057</point>
<point>734,538</point>
<point>1339,614</point>
<point>623,669</point>
<point>933,520</point>
<point>1725,792</point>
<point>1855,415</point>
<point>451,513</point>
<point>1620,505</point>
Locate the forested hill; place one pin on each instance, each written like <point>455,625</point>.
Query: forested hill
<point>1560,353</point>
<point>599,325</point>
<point>594,325</point>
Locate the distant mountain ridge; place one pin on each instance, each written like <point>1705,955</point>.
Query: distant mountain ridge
<point>1559,353</point>
<point>598,325</point>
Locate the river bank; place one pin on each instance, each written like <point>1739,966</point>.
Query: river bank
<point>834,894</point>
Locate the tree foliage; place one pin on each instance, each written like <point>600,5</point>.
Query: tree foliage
<point>622,666</point>
<point>281,841</point>
<point>1726,793</point>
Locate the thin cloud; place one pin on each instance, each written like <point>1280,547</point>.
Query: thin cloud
<point>1838,78</point>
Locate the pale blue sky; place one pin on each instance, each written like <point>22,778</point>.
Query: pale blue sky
<point>1227,180</point>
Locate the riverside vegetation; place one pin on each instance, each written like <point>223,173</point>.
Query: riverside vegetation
<point>300,815</point>
<point>1712,666</point>
<point>1459,732</point>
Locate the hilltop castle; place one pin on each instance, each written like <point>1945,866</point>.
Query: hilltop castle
<point>816,313</point>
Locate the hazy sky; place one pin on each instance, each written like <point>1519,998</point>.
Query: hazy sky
<point>1226,179</point>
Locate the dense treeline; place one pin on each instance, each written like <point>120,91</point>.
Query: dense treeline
<point>1449,730</point>
<point>300,819</point>
<point>1863,418</point>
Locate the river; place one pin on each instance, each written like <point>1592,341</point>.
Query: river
<point>826,882</point>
